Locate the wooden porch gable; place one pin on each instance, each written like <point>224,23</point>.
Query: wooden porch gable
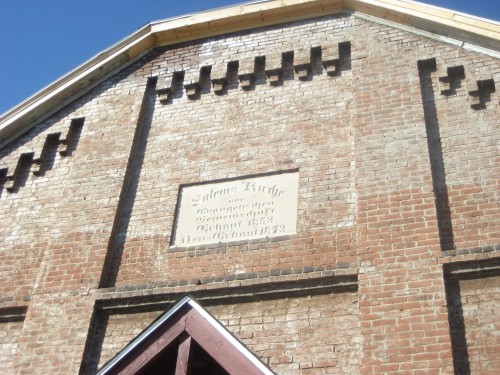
<point>186,339</point>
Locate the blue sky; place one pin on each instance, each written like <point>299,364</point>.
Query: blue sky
<point>43,40</point>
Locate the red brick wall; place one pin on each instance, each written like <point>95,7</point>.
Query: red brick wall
<point>312,335</point>
<point>481,308</point>
<point>58,241</point>
<point>474,310</point>
<point>262,130</point>
<point>9,342</point>
<point>386,160</point>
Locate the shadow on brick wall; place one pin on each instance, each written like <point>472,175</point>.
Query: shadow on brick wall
<point>129,188</point>
<point>441,198</point>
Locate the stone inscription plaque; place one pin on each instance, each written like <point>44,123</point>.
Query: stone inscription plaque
<point>237,210</point>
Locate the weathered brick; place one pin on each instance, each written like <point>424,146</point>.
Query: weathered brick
<point>398,168</point>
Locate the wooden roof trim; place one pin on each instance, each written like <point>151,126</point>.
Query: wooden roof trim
<point>41,105</point>
<point>257,14</point>
<point>396,10</point>
<point>242,17</point>
<point>73,84</point>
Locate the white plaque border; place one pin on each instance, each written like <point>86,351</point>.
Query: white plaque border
<point>172,244</point>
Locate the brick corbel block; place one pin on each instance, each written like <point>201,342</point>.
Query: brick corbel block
<point>336,57</point>
<point>274,68</point>
<point>68,144</point>
<point>330,58</point>
<point>166,85</point>
<point>192,82</point>
<point>219,77</point>
<point>22,170</point>
<point>52,143</point>
<point>302,63</point>
<point>246,72</point>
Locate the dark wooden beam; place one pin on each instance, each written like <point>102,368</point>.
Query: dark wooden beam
<point>183,356</point>
<point>151,348</point>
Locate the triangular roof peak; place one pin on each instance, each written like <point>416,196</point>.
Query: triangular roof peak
<point>178,339</point>
<point>464,30</point>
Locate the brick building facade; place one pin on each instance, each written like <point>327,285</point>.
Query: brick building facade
<point>386,111</point>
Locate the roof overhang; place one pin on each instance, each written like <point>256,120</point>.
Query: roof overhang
<point>466,29</point>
